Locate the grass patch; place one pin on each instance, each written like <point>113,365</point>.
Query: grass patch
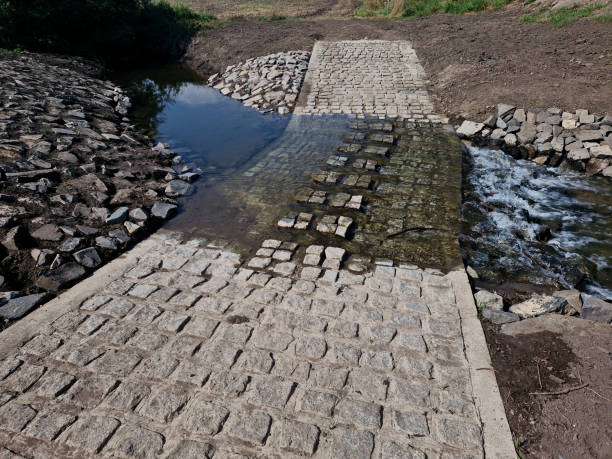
<point>119,32</point>
<point>421,8</point>
<point>566,16</point>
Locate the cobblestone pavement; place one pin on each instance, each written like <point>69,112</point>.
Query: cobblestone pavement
<point>191,354</point>
<point>367,77</point>
<point>322,341</point>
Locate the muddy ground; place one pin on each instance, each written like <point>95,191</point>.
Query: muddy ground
<point>535,358</point>
<point>474,61</point>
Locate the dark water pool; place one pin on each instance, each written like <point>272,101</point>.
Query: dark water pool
<point>173,105</point>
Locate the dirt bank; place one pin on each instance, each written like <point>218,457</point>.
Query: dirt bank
<point>536,358</point>
<point>474,61</point>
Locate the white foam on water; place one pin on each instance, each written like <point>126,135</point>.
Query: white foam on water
<point>523,199</point>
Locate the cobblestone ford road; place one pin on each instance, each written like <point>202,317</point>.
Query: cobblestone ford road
<point>184,349</point>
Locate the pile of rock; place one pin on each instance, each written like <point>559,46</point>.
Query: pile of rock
<point>570,302</point>
<point>267,83</point>
<point>551,137</point>
<point>77,183</point>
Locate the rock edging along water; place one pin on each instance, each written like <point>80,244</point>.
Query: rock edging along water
<point>267,83</point>
<point>78,183</point>
<point>552,137</point>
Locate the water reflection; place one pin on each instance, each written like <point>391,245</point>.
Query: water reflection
<point>173,105</point>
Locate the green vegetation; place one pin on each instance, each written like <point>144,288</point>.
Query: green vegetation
<point>119,32</point>
<point>565,16</point>
<point>421,8</point>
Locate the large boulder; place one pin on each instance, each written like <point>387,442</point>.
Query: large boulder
<point>61,277</point>
<point>596,309</point>
<point>486,299</point>
<point>538,305</point>
<point>18,307</point>
<point>499,317</point>
<point>469,129</point>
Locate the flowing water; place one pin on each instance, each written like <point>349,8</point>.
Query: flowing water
<point>532,224</point>
<point>520,222</point>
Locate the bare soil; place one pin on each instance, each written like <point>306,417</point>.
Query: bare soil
<point>474,61</point>
<point>553,354</point>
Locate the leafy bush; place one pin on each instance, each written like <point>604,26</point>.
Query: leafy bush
<point>117,31</point>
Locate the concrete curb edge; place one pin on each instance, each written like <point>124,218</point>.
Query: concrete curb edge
<point>497,436</point>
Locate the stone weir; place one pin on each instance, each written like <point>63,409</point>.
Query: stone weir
<point>335,336</point>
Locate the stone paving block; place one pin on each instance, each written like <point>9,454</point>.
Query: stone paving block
<point>412,423</point>
<point>210,304</point>
<point>93,303</point>
<point>415,393</point>
<point>266,297</point>
<point>394,450</point>
<point>356,444</point>
<point>317,402</point>
<point>409,367</point>
<point>48,426</point>
<point>23,377</point>
<point>272,340</point>
<point>163,405</point>
<point>158,366</point>
<point>41,345</point>
<point>54,383</point>
<point>345,354</point>
<point>311,348</point>
<point>149,341</point>
<point>171,321</point>
<point>142,290</point>
<point>251,427</point>
<point>237,333</point>
<point>127,396</point>
<point>228,383</point>
<point>190,449</point>
<point>201,327</point>
<point>282,284</point>
<point>9,365</point>
<point>184,346</point>
<point>369,384</point>
<point>203,416</point>
<point>116,362</point>
<point>135,441</point>
<point>458,433</point>
<point>89,391</point>
<point>360,413</point>
<point>290,368</point>
<point>115,333</point>
<point>145,315</point>
<point>191,372</point>
<point>92,324</point>
<point>330,378</point>
<point>299,438</point>
<point>15,416</point>
<point>271,392</point>
<point>117,308</point>
<point>163,294</point>
<point>90,433</point>
<point>256,361</point>
<point>220,353</point>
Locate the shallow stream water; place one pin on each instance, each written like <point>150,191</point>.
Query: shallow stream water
<point>520,222</point>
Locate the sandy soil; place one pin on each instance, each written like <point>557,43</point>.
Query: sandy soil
<point>474,61</point>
